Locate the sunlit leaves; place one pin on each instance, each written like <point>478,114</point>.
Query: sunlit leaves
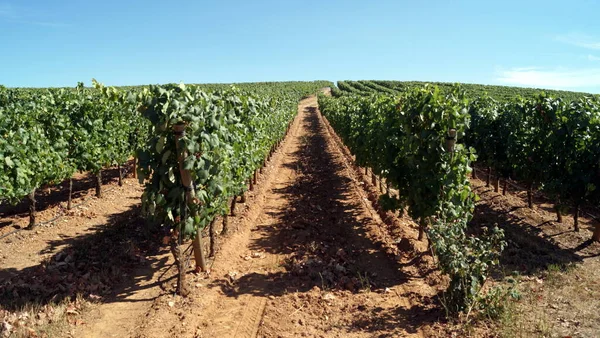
<point>228,135</point>
<point>403,139</point>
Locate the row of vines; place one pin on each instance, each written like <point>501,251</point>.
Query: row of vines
<point>49,134</point>
<point>204,151</point>
<point>418,138</point>
<point>472,91</point>
<point>197,148</point>
<point>546,143</point>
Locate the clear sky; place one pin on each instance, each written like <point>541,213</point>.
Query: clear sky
<point>548,44</point>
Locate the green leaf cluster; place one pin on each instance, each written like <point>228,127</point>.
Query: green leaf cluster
<point>48,134</point>
<point>228,135</point>
<point>405,139</point>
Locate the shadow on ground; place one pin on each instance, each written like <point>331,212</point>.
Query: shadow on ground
<point>89,265</point>
<point>530,250</point>
<point>322,233</point>
<point>46,198</point>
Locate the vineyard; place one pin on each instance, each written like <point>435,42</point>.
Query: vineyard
<point>366,208</point>
<point>547,142</point>
<point>472,91</point>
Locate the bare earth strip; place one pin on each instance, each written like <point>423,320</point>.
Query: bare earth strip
<point>302,262</point>
<point>307,256</point>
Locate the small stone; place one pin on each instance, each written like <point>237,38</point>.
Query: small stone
<point>171,304</point>
<point>329,296</point>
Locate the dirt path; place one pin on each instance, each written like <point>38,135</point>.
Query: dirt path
<point>558,268</point>
<point>307,256</point>
<point>26,249</point>
<point>86,251</point>
<point>303,261</point>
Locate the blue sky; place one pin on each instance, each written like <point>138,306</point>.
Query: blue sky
<point>548,44</point>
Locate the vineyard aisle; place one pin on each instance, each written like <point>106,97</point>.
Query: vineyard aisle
<point>302,262</point>
<point>27,249</point>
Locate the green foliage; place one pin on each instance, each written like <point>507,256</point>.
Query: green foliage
<point>472,91</point>
<point>494,303</point>
<point>49,134</point>
<point>228,135</point>
<point>543,142</point>
<point>406,140</point>
<point>31,152</point>
<point>545,139</point>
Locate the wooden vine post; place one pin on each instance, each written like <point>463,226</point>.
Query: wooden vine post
<point>99,184</point>
<point>32,203</point>
<point>233,203</point>
<point>135,167</point>
<point>186,180</point>
<point>120,174</point>
<point>576,217</point>
<point>559,218</point>
<point>69,201</point>
<point>557,208</point>
<point>212,230</point>
<point>596,235</point>
<point>225,229</point>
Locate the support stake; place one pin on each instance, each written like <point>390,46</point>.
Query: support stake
<point>32,203</point>
<point>69,202</point>
<point>120,175</point>
<point>99,184</point>
<point>135,168</point>
<point>233,202</point>
<point>576,218</point>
